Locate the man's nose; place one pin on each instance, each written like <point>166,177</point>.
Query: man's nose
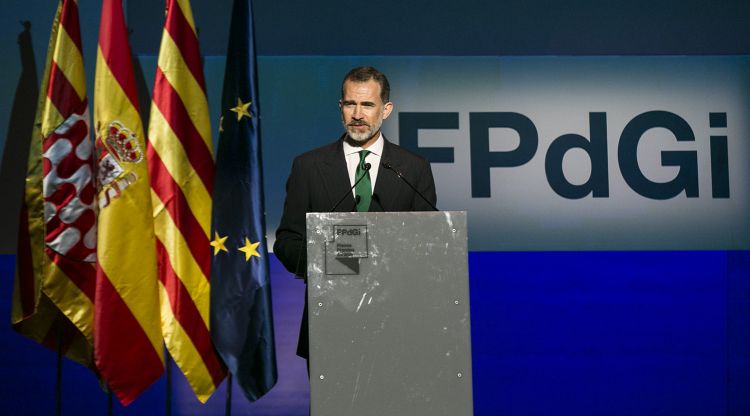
<point>357,113</point>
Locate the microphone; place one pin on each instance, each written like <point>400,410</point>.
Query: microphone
<point>390,167</point>
<point>343,197</point>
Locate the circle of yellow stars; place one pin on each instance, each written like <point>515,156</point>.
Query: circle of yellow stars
<point>250,249</point>
<point>219,243</point>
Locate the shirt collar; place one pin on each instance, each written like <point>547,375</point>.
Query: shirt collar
<point>375,148</point>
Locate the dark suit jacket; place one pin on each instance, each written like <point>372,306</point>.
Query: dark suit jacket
<point>319,179</point>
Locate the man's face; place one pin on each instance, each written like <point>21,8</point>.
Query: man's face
<point>362,111</point>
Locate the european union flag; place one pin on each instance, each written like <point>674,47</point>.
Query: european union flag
<point>241,317</point>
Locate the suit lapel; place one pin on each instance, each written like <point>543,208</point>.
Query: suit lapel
<point>336,178</point>
<point>387,184</point>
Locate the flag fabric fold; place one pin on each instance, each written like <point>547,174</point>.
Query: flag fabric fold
<point>181,169</point>
<point>128,347</point>
<point>241,315</point>
<point>54,290</point>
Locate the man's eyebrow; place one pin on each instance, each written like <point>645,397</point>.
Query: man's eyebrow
<point>366,103</point>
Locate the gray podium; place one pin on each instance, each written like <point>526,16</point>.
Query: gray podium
<point>388,307</point>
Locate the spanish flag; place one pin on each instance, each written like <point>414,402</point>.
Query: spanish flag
<point>53,299</point>
<point>128,347</point>
<point>180,161</point>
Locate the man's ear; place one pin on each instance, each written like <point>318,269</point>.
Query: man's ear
<point>387,109</point>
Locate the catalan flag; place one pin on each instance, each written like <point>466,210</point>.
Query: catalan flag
<point>181,166</point>
<point>241,317</point>
<point>54,291</point>
<point>128,347</point>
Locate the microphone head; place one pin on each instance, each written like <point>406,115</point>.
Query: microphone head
<point>387,165</point>
<point>367,166</point>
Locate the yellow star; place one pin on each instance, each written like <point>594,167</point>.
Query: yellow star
<point>221,124</point>
<point>218,243</point>
<point>241,109</point>
<point>250,249</point>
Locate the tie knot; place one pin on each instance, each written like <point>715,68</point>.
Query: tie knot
<point>362,155</point>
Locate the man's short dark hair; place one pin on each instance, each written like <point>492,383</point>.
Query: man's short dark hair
<point>366,73</point>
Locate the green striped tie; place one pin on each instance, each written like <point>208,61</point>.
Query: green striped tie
<point>364,188</point>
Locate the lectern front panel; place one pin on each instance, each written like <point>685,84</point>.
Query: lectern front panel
<point>388,314</point>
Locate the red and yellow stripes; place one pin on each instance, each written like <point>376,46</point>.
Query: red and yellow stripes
<point>181,167</point>
<point>56,273</point>
<point>66,90</point>
<point>69,276</point>
<point>128,339</point>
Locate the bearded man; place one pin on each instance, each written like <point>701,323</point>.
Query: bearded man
<point>323,179</point>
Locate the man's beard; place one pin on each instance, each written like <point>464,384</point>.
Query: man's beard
<point>362,136</point>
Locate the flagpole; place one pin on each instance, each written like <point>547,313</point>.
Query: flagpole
<point>109,402</point>
<point>228,400</point>
<point>58,384</point>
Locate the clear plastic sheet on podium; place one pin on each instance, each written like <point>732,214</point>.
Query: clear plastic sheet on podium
<point>388,301</point>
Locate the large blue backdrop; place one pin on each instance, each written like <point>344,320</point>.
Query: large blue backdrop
<point>553,333</point>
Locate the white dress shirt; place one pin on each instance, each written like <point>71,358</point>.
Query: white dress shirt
<point>373,158</point>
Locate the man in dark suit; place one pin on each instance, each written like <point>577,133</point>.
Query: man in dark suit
<point>321,179</point>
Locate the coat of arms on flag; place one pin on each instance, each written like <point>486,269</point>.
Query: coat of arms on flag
<point>117,147</point>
